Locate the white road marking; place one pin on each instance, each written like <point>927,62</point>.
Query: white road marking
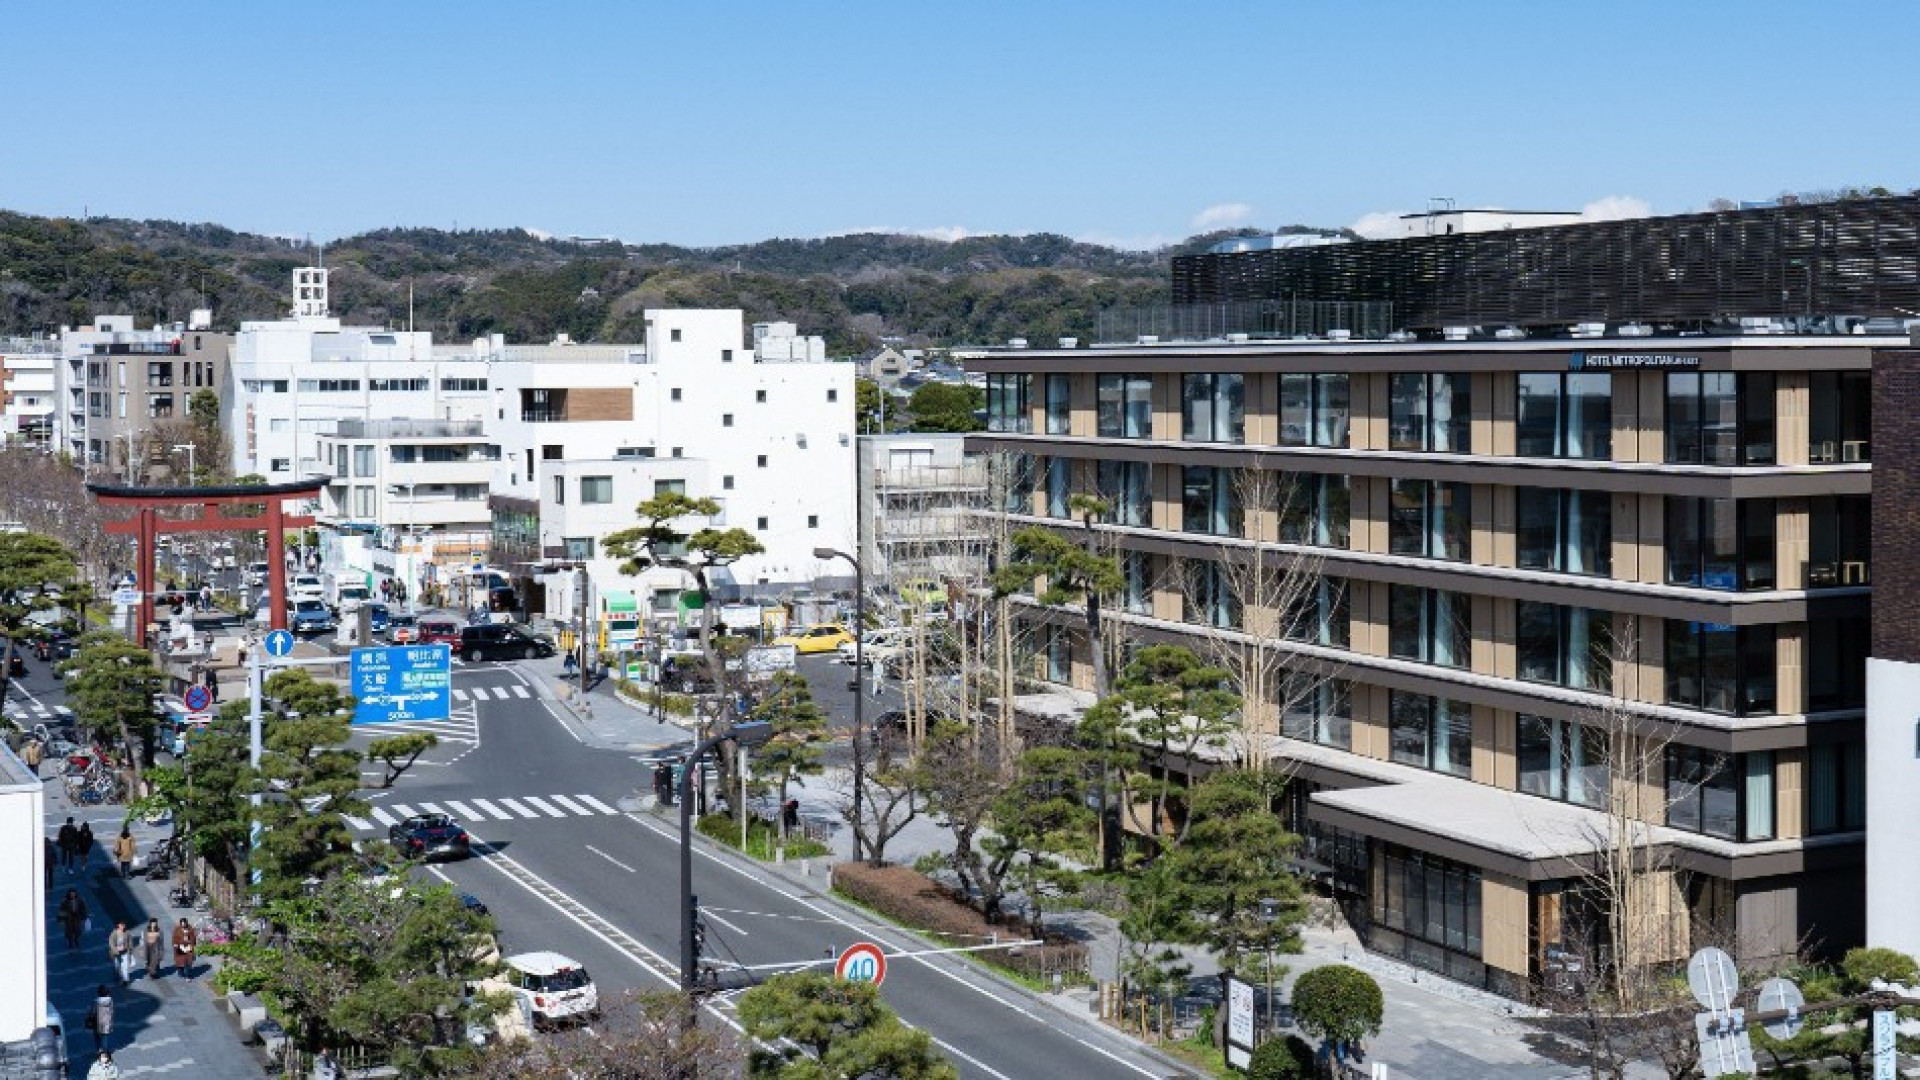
<point>518,691</point>
<point>544,807</point>
<point>431,808</point>
<point>707,913</point>
<point>458,694</point>
<point>493,810</point>
<point>384,818</point>
<point>465,811</point>
<point>357,823</point>
<point>571,805</point>
<point>610,859</point>
<point>927,963</point>
<point>596,804</point>
<point>518,809</point>
<point>402,811</point>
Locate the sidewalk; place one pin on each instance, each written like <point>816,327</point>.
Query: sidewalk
<point>166,1026</point>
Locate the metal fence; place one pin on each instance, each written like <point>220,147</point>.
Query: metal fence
<point>1254,318</point>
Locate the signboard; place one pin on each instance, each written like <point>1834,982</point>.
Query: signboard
<point>402,682</point>
<point>279,643</point>
<point>1885,1062</point>
<point>1240,1020</point>
<point>126,597</point>
<point>1586,361</point>
<point>198,698</point>
<point>862,962</point>
<point>764,660</point>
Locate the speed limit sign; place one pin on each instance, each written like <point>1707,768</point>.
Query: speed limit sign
<point>862,962</point>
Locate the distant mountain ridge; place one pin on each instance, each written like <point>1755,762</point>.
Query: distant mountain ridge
<point>856,289</point>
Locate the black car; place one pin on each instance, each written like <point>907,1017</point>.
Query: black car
<point>430,836</point>
<point>501,641</point>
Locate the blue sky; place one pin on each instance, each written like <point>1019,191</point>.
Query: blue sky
<point>1126,123</point>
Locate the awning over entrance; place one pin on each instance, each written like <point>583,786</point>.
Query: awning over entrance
<point>618,603</point>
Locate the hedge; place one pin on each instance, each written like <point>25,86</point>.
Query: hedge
<point>909,897</point>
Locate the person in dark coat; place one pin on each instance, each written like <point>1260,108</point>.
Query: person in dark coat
<point>73,917</point>
<point>69,843</point>
<point>83,844</point>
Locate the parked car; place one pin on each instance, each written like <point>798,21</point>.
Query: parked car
<point>440,632</point>
<point>310,616</point>
<point>556,988</point>
<point>430,837</point>
<point>402,629</point>
<point>501,641</point>
<point>881,646</point>
<point>378,618</point>
<point>824,638</point>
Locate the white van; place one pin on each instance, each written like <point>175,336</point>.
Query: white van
<point>555,988</point>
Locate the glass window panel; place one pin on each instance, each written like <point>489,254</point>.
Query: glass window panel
<point>1332,410</point>
<point>1196,396</point>
<point>1333,520</point>
<point>1230,408</point>
<point>1407,411</point>
<point>1720,800</point>
<point>1453,628</point>
<point>1759,796</point>
<point>1454,520</point>
<point>1587,770</point>
<point>1538,644</point>
<point>1453,737</point>
<point>1407,622</point>
<point>1407,728</point>
<point>1589,416</point>
<point>1536,749</point>
<point>1537,426</point>
<point>1452,412</point>
<point>1683,778</point>
<point>1456,906</point>
<point>1407,518</point>
<point>1196,499</point>
<point>1139,416</point>
<point>1296,409</point>
<point>1059,486</point>
<point>1757,524</point>
<point>1537,527</point>
<point>1757,423</point>
<point>1059,405</point>
<point>1109,403</point>
<point>1435,928</point>
<point>1589,529</point>
<point>1683,417</point>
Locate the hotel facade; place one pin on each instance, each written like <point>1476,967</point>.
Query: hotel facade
<point>1522,550</point>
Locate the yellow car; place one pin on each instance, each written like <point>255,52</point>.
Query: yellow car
<point>826,637</point>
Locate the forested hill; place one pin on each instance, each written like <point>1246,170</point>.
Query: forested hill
<point>852,289</point>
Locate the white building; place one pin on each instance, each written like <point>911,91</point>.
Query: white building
<point>922,496</point>
<point>29,387</point>
<point>294,380</point>
<point>586,433</point>
<point>23,902</point>
<point>1893,804</point>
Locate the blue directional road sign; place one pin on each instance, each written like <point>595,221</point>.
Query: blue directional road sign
<point>279,643</point>
<point>403,682</point>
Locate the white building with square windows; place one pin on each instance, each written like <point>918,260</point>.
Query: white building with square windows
<point>588,432</point>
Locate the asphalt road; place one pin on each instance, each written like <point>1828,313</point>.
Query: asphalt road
<point>562,869</point>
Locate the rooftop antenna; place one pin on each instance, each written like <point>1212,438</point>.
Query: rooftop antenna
<point>409,305</point>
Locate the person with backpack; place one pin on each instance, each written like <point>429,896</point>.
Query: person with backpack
<point>120,952</point>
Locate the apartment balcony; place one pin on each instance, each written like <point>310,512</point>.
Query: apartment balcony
<point>410,429</point>
<point>952,478</point>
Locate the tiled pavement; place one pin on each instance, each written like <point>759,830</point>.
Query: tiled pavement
<point>168,1026</point>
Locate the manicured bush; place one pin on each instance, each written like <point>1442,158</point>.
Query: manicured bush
<point>1338,1003</point>
<point>918,902</point>
<point>1281,1059</point>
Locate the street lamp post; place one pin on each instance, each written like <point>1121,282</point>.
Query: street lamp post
<point>191,472</point>
<point>753,734</point>
<point>859,692</point>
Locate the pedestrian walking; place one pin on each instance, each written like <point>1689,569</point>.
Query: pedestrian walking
<point>153,946</point>
<point>103,1068</point>
<point>185,943</point>
<point>30,754</point>
<point>100,1018</point>
<point>124,850</point>
<point>120,951</point>
<point>324,1066</point>
<point>83,844</point>
<point>69,841</point>
<point>73,917</point>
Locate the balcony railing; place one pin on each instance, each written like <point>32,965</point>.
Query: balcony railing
<point>411,429</point>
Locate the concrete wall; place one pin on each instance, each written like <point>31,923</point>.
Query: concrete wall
<point>23,933</point>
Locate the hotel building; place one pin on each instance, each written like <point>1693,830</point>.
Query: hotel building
<point>1524,548</point>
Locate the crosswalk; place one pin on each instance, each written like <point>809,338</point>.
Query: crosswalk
<point>29,713</point>
<point>509,692</point>
<point>476,812</point>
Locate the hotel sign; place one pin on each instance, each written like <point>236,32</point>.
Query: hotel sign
<point>1586,361</point>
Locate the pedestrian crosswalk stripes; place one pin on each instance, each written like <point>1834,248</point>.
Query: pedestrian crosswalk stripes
<point>477,812</point>
<point>491,693</point>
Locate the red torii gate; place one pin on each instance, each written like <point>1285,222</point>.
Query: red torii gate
<point>146,524</point>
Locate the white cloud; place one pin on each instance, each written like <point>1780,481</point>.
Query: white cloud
<point>1221,216</point>
<point>1379,225</point>
<point>1616,208</point>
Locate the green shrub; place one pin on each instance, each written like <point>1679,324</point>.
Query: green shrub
<point>1281,1059</point>
<point>1338,1003</point>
